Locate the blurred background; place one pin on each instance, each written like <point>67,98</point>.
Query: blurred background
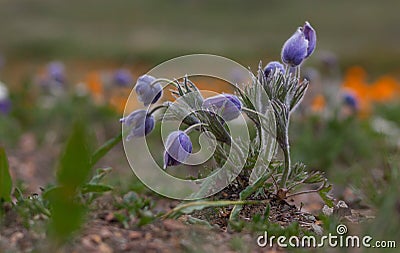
<point>87,34</point>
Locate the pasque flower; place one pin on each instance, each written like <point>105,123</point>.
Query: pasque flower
<point>311,37</point>
<point>178,148</point>
<point>141,122</point>
<point>148,92</point>
<point>272,67</point>
<point>299,46</point>
<point>227,106</point>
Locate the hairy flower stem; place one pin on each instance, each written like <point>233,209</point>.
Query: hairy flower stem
<point>286,153</point>
<point>196,126</point>
<point>163,80</point>
<point>157,108</point>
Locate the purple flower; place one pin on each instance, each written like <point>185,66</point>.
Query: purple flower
<point>56,71</point>
<point>141,122</point>
<point>5,106</point>
<point>311,37</point>
<point>123,77</point>
<point>350,100</point>
<point>272,67</point>
<point>178,148</point>
<point>227,106</point>
<point>148,93</point>
<point>5,102</point>
<point>300,46</point>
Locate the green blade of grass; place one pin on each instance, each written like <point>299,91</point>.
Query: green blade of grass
<point>5,178</point>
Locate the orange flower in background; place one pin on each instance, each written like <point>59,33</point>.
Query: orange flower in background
<point>118,103</point>
<point>355,81</point>
<point>95,86</point>
<point>318,104</point>
<point>385,89</point>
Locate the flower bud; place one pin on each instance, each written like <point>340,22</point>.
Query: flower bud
<point>227,106</point>
<point>311,37</point>
<point>178,148</point>
<point>272,67</point>
<point>300,46</point>
<point>141,122</point>
<point>148,93</point>
<point>294,50</point>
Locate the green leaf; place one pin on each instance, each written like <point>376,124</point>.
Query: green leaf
<point>99,175</point>
<point>18,195</point>
<point>190,207</point>
<point>105,148</point>
<point>196,221</point>
<point>67,216</point>
<point>74,165</point>
<point>5,178</point>
<point>325,197</point>
<point>49,192</point>
<point>95,188</point>
<point>67,213</point>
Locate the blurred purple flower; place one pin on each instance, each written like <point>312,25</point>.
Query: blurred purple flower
<point>227,106</point>
<point>178,148</point>
<point>272,67</point>
<point>5,102</point>
<point>148,93</point>
<point>123,77</point>
<point>56,71</point>
<point>5,106</point>
<point>299,46</point>
<point>141,122</point>
<point>350,100</point>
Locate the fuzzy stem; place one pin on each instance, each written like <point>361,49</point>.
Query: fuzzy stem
<point>159,80</point>
<point>308,191</point>
<point>286,153</point>
<point>157,108</point>
<point>194,126</point>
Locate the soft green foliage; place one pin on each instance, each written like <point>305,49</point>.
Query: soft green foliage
<point>72,173</point>
<point>104,149</point>
<point>29,207</point>
<point>134,207</point>
<point>333,145</point>
<point>74,165</point>
<point>5,178</point>
<point>67,214</point>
